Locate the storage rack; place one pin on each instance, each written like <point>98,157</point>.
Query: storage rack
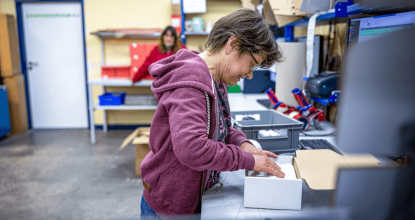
<point>341,10</point>
<point>183,20</point>
<point>119,82</point>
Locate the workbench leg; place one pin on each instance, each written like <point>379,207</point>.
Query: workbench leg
<point>91,115</point>
<point>105,125</point>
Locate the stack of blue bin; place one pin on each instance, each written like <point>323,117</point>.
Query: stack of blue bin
<point>4,112</point>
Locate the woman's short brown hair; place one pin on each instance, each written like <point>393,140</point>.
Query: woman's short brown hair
<point>177,41</point>
<point>252,32</point>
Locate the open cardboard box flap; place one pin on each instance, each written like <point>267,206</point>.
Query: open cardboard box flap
<point>318,168</point>
<point>139,136</point>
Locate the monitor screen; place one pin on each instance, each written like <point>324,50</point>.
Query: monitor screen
<point>363,29</point>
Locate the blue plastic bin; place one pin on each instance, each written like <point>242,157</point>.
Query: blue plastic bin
<point>4,112</point>
<point>112,98</point>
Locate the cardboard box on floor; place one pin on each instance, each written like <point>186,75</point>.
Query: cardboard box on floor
<point>9,48</point>
<point>16,94</point>
<point>317,168</point>
<point>139,138</point>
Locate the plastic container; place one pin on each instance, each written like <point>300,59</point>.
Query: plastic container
<point>115,71</point>
<point>273,130</point>
<point>5,127</point>
<point>122,71</point>
<point>108,71</point>
<point>112,98</point>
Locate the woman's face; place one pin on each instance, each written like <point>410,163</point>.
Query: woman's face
<point>239,66</point>
<point>168,39</point>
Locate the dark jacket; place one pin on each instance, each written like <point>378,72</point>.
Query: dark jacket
<point>181,153</point>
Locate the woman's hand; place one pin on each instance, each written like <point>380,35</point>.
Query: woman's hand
<point>247,147</point>
<point>262,162</point>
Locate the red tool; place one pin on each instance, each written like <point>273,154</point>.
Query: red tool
<point>307,112</point>
<point>276,103</point>
<point>304,112</point>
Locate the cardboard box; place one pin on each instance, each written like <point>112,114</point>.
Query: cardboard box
<point>274,19</point>
<point>286,7</point>
<point>249,3</point>
<point>283,20</point>
<point>317,168</point>
<point>9,47</point>
<point>139,138</point>
<point>176,10</point>
<point>16,94</point>
<point>269,14</point>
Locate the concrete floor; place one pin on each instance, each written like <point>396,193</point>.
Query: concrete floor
<point>59,174</point>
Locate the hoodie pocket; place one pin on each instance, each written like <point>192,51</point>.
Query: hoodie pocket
<point>180,185</point>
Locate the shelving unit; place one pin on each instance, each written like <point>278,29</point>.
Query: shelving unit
<point>124,33</point>
<point>117,82</point>
<point>122,82</point>
<point>183,18</point>
<point>341,10</point>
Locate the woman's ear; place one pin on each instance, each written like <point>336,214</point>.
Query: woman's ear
<point>231,45</point>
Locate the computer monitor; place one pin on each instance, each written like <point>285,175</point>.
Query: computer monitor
<point>317,66</point>
<point>377,116</point>
<point>365,29</point>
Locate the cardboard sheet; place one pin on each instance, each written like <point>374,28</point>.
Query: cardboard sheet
<point>318,168</point>
<point>139,136</point>
<point>290,73</point>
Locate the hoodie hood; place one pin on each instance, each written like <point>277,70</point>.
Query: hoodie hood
<point>184,69</point>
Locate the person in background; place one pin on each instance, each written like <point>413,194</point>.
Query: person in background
<point>169,44</point>
<point>191,136</point>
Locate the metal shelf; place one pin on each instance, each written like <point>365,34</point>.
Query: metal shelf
<point>118,82</point>
<point>128,33</point>
<point>125,107</point>
<point>123,82</point>
<point>188,33</point>
<point>338,13</point>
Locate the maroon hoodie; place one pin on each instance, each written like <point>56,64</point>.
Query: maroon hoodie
<point>181,153</point>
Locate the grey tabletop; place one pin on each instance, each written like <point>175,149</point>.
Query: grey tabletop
<point>227,202</point>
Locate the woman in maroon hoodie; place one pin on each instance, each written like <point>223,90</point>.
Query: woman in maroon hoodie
<point>191,137</point>
<point>169,44</point>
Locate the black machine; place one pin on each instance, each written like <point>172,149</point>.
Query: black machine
<point>322,85</point>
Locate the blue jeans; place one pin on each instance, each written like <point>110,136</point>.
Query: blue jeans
<point>147,213</point>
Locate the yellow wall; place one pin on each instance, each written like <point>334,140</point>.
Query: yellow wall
<point>8,7</point>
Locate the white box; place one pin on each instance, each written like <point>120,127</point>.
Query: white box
<point>288,191</point>
<point>317,168</point>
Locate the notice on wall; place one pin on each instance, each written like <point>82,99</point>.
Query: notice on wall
<point>194,6</point>
<point>175,2</point>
